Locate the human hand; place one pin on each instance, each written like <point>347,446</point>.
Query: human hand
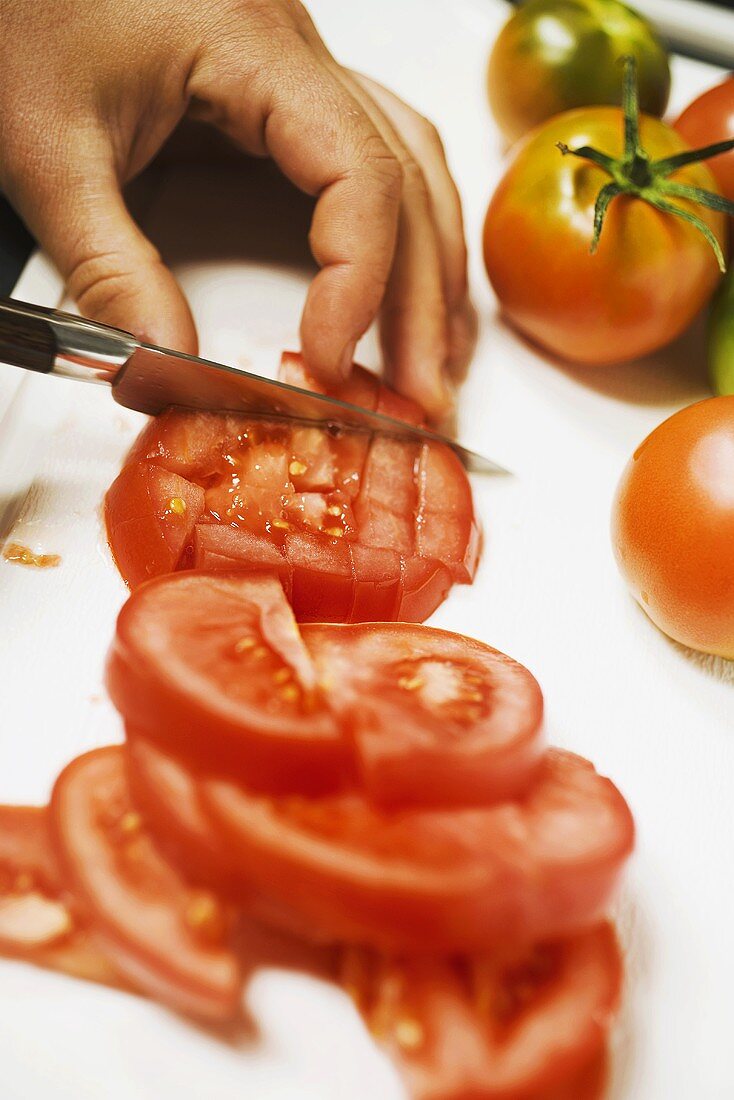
<point>91,89</point>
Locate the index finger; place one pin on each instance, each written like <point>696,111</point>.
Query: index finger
<point>327,145</point>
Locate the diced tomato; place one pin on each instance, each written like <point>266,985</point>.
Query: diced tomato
<point>390,403</point>
<point>436,718</point>
<point>529,1024</point>
<point>313,465</point>
<point>151,514</point>
<point>213,666</point>
<point>446,528</point>
<point>274,479</point>
<point>167,938</point>
<point>378,584</point>
<point>464,880</point>
<point>217,548</point>
<point>323,577</point>
<point>386,506</point>
<point>188,443</point>
<point>360,388</point>
<point>426,584</point>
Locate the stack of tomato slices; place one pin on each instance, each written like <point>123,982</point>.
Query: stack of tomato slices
<point>382,790</point>
<point>359,528</point>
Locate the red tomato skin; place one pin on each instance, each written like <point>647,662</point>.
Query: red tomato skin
<point>458,892</point>
<point>146,535</point>
<point>629,298</point>
<point>191,976</point>
<point>673,526</point>
<point>708,119</point>
<point>426,584</point>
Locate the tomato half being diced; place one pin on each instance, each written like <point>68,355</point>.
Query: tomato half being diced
<point>166,937</point>
<point>307,487</point>
<point>459,880</point>
<point>524,1024</point>
<point>436,718</point>
<point>151,514</point>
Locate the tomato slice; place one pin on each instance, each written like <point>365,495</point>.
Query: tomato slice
<point>214,666</point>
<point>437,718</point>
<point>167,938</point>
<point>516,1025</point>
<point>151,513</point>
<point>434,880</point>
<point>36,923</point>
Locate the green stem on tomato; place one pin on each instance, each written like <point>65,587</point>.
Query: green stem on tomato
<point>636,174</point>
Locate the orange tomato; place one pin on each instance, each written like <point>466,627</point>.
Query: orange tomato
<point>652,272</point>
<point>673,526</point>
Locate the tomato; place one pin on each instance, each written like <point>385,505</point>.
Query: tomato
<point>36,923</point>
<point>651,273</point>
<point>673,526</point>
<point>709,119</point>
<point>553,55</point>
<point>165,937</point>
<point>349,521</point>
<point>214,667</point>
<point>515,1025</point>
<point>436,718</point>
<point>151,515</point>
<point>421,880</point>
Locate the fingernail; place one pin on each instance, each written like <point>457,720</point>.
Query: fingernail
<point>347,358</point>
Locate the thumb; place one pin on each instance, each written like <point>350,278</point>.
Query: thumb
<point>112,271</point>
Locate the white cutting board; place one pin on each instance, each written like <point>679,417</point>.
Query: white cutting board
<point>656,718</point>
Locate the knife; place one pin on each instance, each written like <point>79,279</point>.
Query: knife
<point>149,379</point>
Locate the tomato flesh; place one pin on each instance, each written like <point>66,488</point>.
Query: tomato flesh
<point>164,936</point>
<point>215,667</point>
<point>301,499</point>
<point>430,880</point>
<point>515,1025</point>
<point>36,923</point>
<point>151,515</point>
<point>436,718</point>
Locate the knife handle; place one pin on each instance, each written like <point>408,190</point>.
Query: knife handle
<point>26,338</point>
<point>48,341</point>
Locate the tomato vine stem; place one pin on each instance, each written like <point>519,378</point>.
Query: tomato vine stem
<point>635,173</point>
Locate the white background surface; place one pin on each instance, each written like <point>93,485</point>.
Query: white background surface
<point>658,719</point>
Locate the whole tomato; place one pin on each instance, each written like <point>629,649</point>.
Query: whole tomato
<point>708,119</point>
<point>651,272</point>
<point>553,55</point>
<point>673,526</point>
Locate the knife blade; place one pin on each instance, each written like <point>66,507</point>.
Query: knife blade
<point>149,379</point>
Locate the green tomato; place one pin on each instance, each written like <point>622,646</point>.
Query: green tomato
<point>721,337</point>
<point>553,55</point>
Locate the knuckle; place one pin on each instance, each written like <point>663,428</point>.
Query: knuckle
<point>100,280</point>
<point>377,159</point>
